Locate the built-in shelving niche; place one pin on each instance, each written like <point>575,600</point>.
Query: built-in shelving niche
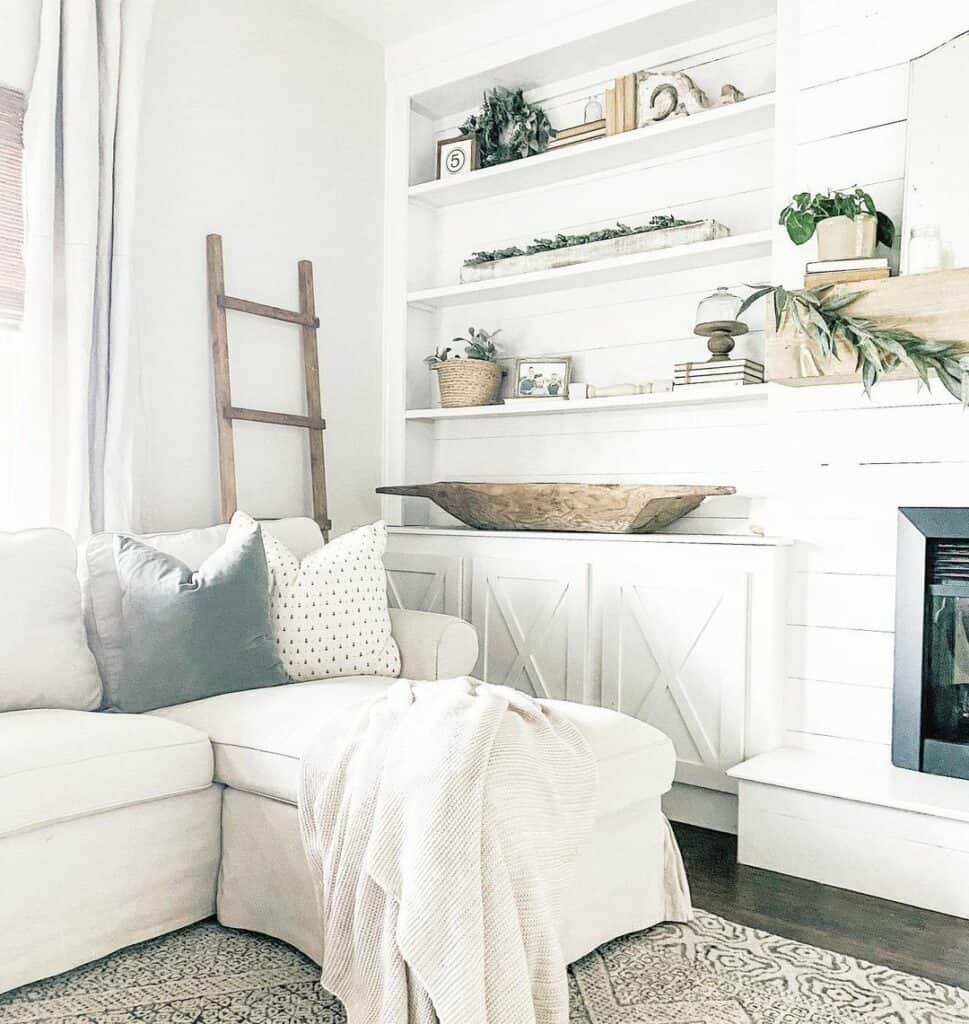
<point>623,320</point>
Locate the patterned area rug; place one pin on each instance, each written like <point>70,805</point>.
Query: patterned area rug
<point>706,972</point>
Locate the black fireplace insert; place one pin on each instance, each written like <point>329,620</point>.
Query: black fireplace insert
<point>930,724</point>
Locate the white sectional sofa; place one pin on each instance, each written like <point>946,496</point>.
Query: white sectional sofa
<point>115,828</point>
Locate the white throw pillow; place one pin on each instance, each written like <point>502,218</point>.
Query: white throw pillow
<point>329,611</point>
<point>44,657</point>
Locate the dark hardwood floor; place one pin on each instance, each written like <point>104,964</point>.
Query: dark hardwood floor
<point>892,934</point>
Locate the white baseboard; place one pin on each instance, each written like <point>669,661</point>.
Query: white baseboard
<point>707,808</point>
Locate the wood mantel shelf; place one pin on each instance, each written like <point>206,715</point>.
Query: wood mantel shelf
<point>934,305</point>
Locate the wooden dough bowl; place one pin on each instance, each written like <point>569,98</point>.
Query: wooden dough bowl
<point>579,508</point>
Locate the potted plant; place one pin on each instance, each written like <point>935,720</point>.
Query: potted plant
<point>508,127</point>
<point>847,223</point>
<point>473,380</point>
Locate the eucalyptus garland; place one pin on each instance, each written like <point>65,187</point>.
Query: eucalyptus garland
<point>508,127</point>
<point>879,347</point>
<point>561,241</point>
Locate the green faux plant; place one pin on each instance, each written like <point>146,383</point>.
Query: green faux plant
<point>802,215</point>
<point>508,127</point>
<point>879,347</point>
<point>560,241</point>
<point>479,344</point>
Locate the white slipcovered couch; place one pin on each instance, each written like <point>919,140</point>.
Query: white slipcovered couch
<point>115,828</point>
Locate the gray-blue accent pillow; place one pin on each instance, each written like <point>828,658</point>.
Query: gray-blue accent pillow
<point>190,635</point>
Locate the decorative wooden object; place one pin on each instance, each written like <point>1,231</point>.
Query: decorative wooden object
<point>577,508</point>
<point>226,412</point>
<point>662,95</point>
<point>935,306</point>
<point>607,249</point>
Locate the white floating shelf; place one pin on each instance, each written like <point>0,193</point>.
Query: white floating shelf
<point>709,128</point>
<point>731,539</point>
<point>596,272</point>
<point>707,394</point>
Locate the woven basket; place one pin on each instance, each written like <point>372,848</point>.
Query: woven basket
<point>466,382</point>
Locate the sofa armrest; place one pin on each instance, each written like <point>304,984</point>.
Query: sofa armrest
<point>433,646</point>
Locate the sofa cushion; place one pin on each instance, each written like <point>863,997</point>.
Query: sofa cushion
<point>102,591</point>
<point>44,658</point>
<point>190,635</point>
<point>259,736</point>
<point>58,765</point>
<point>329,609</point>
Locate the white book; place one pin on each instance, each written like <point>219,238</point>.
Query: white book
<point>831,266</point>
<point>700,375</point>
<point>716,386</point>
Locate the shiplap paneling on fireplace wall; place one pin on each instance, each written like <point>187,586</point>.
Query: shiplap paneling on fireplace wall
<point>841,464</point>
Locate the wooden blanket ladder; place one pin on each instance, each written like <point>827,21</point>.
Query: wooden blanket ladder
<point>227,413</point>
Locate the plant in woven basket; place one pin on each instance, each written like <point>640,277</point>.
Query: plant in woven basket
<point>879,347</point>
<point>508,127</point>
<point>473,380</point>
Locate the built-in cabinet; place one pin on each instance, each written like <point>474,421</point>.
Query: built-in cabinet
<point>685,633</point>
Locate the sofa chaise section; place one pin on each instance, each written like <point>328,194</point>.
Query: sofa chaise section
<point>264,882</point>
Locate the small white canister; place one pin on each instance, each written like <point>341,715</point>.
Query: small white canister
<point>924,250</point>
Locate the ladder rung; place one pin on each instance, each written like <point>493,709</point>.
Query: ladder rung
<point>273,312</point>
<point>283,419</point>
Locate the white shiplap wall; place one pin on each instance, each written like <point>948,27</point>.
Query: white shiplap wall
<point>824,466</point>
<point>841,464</point>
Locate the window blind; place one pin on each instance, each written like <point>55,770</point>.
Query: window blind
<point>11,205</point>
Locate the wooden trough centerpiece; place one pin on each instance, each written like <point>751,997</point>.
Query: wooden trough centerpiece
<point>570,507</point>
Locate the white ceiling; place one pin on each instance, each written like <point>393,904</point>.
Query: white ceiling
<point>391,21</point>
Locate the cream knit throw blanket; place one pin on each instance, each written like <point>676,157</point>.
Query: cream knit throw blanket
<point>441,840</point>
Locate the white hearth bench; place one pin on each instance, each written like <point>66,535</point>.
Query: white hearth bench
<point>857,824</point>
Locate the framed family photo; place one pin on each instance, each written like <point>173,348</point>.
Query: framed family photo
<point>542,377</point>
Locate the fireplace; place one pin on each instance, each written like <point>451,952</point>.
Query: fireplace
<point>930,724</point>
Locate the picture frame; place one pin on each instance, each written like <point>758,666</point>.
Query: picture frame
<point>542,377</point>
<point>457,156</point>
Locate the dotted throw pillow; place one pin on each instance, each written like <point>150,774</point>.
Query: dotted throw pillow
<point>329,611</point>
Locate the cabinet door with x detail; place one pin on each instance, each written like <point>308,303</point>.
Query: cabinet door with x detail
<point>532,619</point>
<point>675,656</point>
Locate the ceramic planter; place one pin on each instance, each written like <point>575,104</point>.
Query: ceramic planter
<point>847,238</point>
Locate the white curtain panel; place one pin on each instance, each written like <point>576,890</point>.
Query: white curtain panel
<point>78,417</point>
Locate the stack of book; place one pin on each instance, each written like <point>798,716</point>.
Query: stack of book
<point>824,272</point>
<point>621,105</point>
<point>578,133</point>
<point>721,371</point>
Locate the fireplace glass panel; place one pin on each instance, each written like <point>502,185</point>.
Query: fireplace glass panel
<point>947,643</point>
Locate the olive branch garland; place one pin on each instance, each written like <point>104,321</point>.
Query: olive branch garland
<point>880,347</point>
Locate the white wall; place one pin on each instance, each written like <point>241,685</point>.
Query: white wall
<point>262,121</point>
